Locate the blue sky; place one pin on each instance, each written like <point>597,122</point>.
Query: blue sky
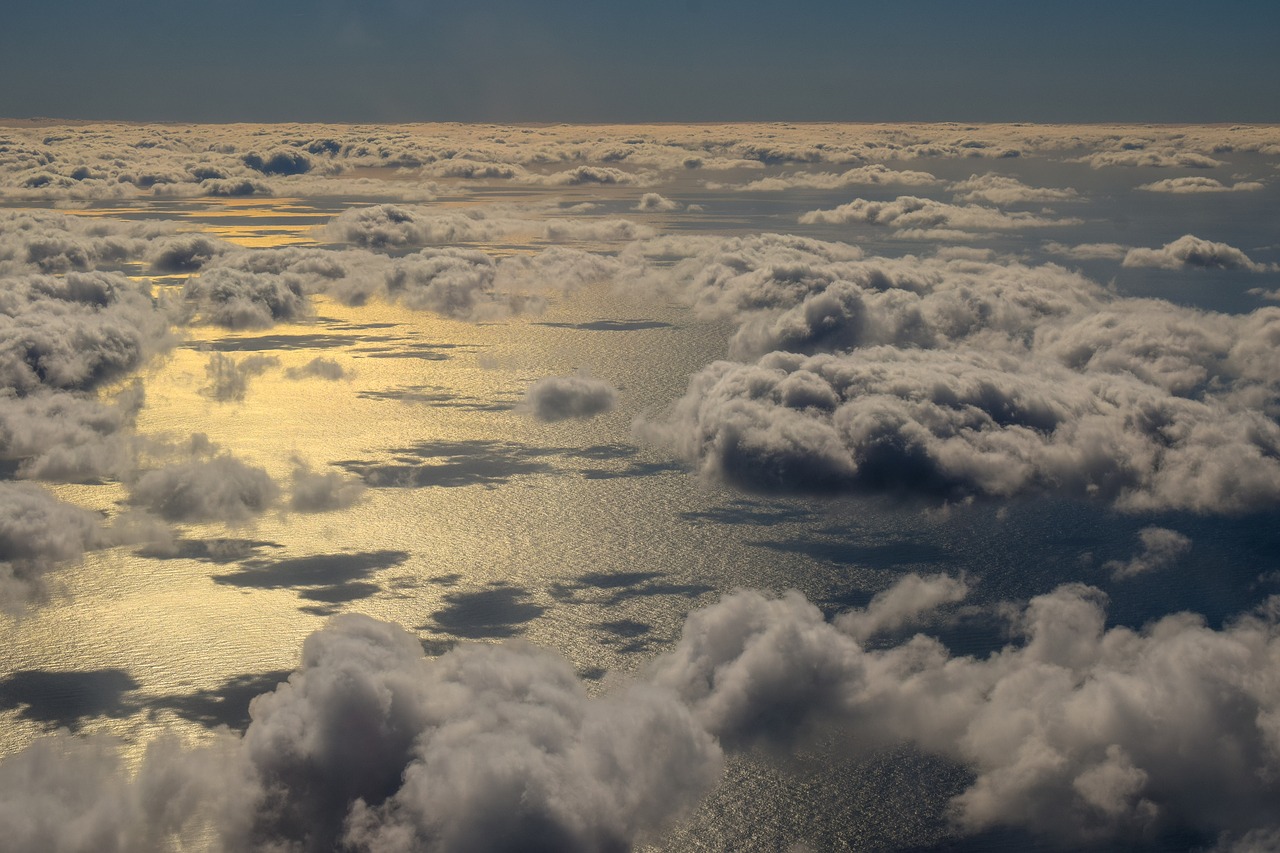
<point>678,60</point>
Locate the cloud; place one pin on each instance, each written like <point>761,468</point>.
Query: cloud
<point>1191,252</point>
<point>1077,732</point>
<point>947,425</point>
<point>314,491</point>
<point>902,605</point>
<point>76,332</point>
<point>372,746</point>
<point>39,533</point>
<point>1156,158</point>
<point>904,352</point>
<point>185,253</point>
<point>77,795</point>
<point>1004,189</point>
<point>1199,184</point>
<point>237,299</point>
<point>217,488</point>
<point>319,368</point>
<point>70,436</point>
<point>558,398</point>
<point>654,201</point>
<point>1160,548</point>
<point>1089,251</point>
<point>875,174</point>
<point>921,218</point>
<point>389,226</point>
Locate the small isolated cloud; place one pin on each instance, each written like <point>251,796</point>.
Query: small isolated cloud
<point>228,378</point>
<point>1191,252</point>
<point>656,202</point>
<point>316,491</point>
<point>925,218</point>
<point>217,488</point>
<point>1152,158</point>
<point>945,425</point>
<point>319,368</point>
<point>558,398</point>
<point>1003,189</point>
<point>1161,547</point>
<point>1200,184</point>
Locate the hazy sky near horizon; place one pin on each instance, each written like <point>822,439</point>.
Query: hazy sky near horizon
<point>674,60</point>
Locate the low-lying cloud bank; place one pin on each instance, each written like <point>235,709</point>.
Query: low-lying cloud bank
<point>1074,731</point>
<point>955,378</point>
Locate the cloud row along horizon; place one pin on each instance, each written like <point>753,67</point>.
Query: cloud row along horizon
<point>626,487</point>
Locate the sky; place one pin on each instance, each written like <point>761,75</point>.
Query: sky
<point>503,60</point>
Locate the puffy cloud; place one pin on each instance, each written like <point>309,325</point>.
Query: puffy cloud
<point>282,161</point>
<point>1088,251</point>
<point>75,332</point>
<point>925,218</point>
<point>1004,189</point>
<point>1140,402</point>
<point>39,533</point>
<point>316,491</point>
<point>372,746</point>
<point>217,488</point>
<point>454,282</point>
<point>185,252</point>
<point>902,605</point>
<point>557,398</point>
<point>1160,548</point>
<point>1199,184</point>
<point>953,424</point>
<point>75,795</point>
<point>238,299</point>
<point>319,368</point>
<point>1189,251</point>
<point>388,226</point>
<point>654,201</point>
<point>69,436</point>
<point>1157,158</point>
<point>1076,732</point>
<point>875,174</point>
<point>906,302</point>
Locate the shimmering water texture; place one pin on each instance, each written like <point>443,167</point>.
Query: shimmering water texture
<point>744,487</point>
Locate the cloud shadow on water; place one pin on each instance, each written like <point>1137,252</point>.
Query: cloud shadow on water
<point>224,705</point>
<point>330,579</point>
<point>450,464</point>
<point>488,613</point>
<point>68,699</point>
<point>619,587</point>
<point>611,325</point>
